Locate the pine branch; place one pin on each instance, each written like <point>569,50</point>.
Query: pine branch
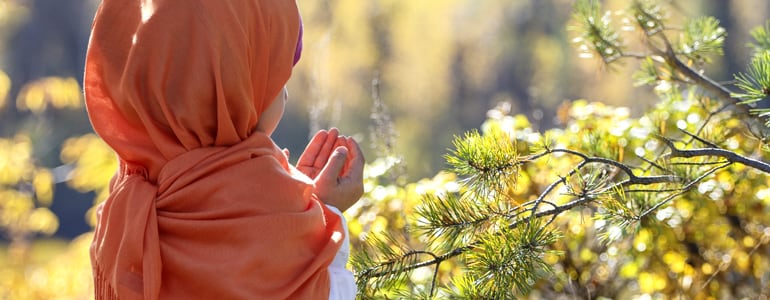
<point>708,84</point>
<point>684,189</point>
<point>632,178</point>
<point>715,152</point>
<point>717,90</point>
<point>388,268</point>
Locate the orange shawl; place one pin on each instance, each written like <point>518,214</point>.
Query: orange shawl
<point>202,206</point>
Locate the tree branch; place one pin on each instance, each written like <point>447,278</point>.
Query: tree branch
<point>716,152</point>
<point>632,178</point>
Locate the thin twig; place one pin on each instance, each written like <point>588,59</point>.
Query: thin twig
<point>684,190</point>
<point>703,141</point>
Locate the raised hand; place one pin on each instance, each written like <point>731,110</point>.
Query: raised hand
<point>340,183</point>
<point>317,152</point>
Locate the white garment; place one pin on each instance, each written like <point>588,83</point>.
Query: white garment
<point>343,285</point>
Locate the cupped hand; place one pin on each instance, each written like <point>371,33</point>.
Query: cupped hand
<point>340,183</point>
<point>317,152</point>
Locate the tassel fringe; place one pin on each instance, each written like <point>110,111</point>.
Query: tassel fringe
<point>103,290</point>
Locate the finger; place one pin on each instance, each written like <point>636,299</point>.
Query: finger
<point>333,167</point>
<point>356,159</point>
<point>308,157</point>
<point>341,142</point>
<point>286,153</point>
<point>349,143</point>
<point>326,149</point>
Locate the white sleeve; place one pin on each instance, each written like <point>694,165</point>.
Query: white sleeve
<point>343,285</point>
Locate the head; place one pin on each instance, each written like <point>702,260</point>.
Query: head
<point>164,77</point>
<point>272,115</point>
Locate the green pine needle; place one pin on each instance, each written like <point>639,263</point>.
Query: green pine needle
<point>381,265</point>
<point>490,162</point>
<point>618,213</point>
<point>449,221</point>
<point>756,84</point>
<point>647,73</point>
<point>701,38</point>
<point>762,37</point>
<point>510,261</point>
<point>597,36</point>
<point>649,16</point>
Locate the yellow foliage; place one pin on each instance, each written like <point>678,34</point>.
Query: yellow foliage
<point>380,224</point>
<point>18,214</point>
<point>42,220</point>
<point>24,186</point>
<point>32,98</point>
<point>629,270</point>
<point>58,92</point>
<point>95,163</point>
<point>675,261</point>
<point>15,160</point>
<point>47,269</point>
<point>651,282</point>
<point>15,208</point>
<point>43,185</point>
<point>641,240</point>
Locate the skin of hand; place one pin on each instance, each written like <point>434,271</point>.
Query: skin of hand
<point>317,152</point>
<point>339,182</point>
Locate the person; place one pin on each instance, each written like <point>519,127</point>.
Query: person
<point>204,205</point>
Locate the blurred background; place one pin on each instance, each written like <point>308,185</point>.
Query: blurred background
<point>402,76</point>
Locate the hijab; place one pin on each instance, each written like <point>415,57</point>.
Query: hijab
<point>202,205</point>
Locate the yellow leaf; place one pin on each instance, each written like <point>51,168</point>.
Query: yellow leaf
<point>551,258</point>
<point>32,98</point>
<point>94,162</point>
<point>15,160</point>
<point>629,270</point>
<point>380,224</point>
<point>587,255</point>
<point>64,92</point>
<point>15,206</point>
<point>651,282</point>
<point>748,242</point>
<point>675,261</point>
<point>43,220</point>
<point>742,261</point>
<point>43,185</point>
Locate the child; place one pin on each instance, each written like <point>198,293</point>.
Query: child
<point>204,204</point>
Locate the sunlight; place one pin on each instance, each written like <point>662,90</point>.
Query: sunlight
<point>148,9</point>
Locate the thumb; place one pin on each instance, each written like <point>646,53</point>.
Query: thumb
<point>334,165</point>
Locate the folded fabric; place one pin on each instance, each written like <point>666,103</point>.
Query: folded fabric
<point>202,205</point>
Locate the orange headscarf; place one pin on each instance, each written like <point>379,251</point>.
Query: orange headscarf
<point>202,206</point>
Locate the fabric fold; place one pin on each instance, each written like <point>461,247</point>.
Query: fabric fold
<point>207,233</point>
<point>203,206</point>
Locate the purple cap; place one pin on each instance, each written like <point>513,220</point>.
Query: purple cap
<point>298,51</point>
